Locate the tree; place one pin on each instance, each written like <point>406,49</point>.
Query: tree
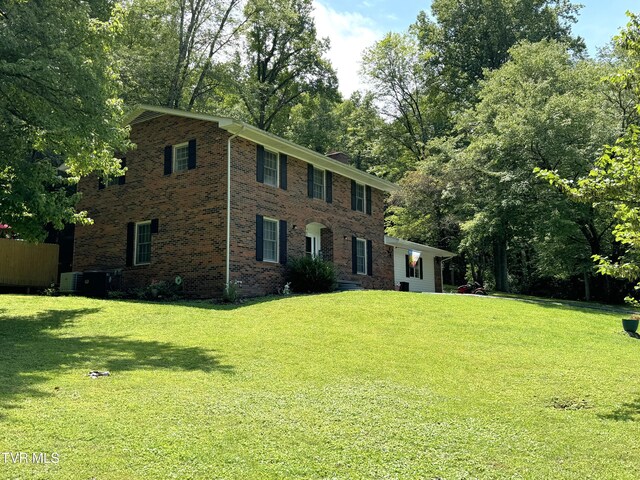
<point>282,60</point>
<point>408,90</point>
<point>468,38</point>
<point>171,52</point>
<point>542,109</point>
<point>58,104</point>
<point>615,179</point>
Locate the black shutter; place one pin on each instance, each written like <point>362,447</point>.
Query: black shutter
<point>122,178</point>
<point>309,180</point>
<point>369,257</point>
<point>353,194</point>
<point>260,163</point>
<point>100,183</point>
<point>154,225</point>
<point>259,238</point>
<point>329,179</point>
<point>131,232</point>
<point>421,273</point>
<point>407,265</point>
<point>368,195</point>
<point>354,255</point>
<point>191,162</point>
<point>283,242</point>
<point>168,159</point>
<point>283,171</point>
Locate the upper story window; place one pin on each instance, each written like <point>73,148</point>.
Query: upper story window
<point>271,168</point>
<point>181,157</point>
<point>318,183</point>
<point>360,197</point>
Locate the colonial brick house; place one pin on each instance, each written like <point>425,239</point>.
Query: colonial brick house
<point>215,200</point>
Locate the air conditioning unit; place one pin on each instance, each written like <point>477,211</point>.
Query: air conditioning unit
<point>70,282</point>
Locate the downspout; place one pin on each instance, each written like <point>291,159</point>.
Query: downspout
<point>227,255</point>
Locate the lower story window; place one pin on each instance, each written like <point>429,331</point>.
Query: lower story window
<point>270,240</point>
<point>361,256</point>
<point>143,243</point>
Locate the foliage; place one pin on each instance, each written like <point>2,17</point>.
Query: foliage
<point>158,290</point>
<point>542,109</point>
<point>311,275</point>
<point>408,89</point>
<point>614,181</point>
<point>392,385</point>
<point>58,104</point>
<point>470,38</point>
<point>282,60</point>
<point>173,52</point>
<point>231,292</point>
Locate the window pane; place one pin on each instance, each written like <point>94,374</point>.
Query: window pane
<point>270,240</point>
<point>181,158</point>
<point>361,266</point>
<point>318,183</point>
<point>270,168</point>
<point>359,197</point>
<point>143,243</point>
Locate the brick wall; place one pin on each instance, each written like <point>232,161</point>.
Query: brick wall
<point>248,198</point>
<point>190,207</point>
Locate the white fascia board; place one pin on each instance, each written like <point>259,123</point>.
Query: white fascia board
<point>406,244</point>
<point>254,134</point>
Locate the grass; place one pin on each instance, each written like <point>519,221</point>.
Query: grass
<point>349,385</point>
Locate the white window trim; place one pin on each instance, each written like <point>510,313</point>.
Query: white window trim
<point>277,260</point>
<point>277,154</point>
<point>364,241</point>
<point>416,270</point>
<point>135,244</point>
<point>175,157</point>
<point>364,197</point>
<point>324,183</point>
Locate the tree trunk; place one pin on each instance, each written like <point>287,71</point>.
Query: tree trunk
<point>500,265</point>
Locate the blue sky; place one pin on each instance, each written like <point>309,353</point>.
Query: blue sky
<point>353,25</point>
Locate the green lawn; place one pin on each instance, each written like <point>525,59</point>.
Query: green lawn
<point>348,385</point>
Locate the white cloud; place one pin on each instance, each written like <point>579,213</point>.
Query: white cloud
<point>350,34</point>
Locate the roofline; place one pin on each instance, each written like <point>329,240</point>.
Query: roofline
<point>400,243</point>
<point>249,132</point>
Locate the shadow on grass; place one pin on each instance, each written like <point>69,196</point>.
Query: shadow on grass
<point>213,304</point>
<point>627,412</point>
<point>34,348</point>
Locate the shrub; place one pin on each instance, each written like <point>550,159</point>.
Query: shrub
<point>311,275</point>
<point>231,292</point>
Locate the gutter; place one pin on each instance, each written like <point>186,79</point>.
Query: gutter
<point>228,249</point>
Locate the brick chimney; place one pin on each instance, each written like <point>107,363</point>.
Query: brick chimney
<point>341,157</point>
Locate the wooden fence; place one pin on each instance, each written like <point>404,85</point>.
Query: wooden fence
<point>25,264</point>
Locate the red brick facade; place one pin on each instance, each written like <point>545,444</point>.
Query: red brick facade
<point>191,210</point>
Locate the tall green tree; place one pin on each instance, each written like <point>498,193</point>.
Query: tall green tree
<point>175,53</point>
<point>58,104</point>
<point>468,38</point>
<point>282,60</point>
<point>542,109</point>
<point>408,91</point>
<point>615,179</point>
